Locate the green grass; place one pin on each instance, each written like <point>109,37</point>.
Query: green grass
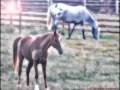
<point>83,63</point>
<point>115,62</point>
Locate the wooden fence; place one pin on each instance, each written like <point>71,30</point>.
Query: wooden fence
<point>34,14</point>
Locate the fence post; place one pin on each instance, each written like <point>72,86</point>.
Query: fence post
<point>20,24</point>
<point>20,15</point>
<point>49,2</point>
<point>10,18</point>
<point>11,12</point>
<point>117,6</point>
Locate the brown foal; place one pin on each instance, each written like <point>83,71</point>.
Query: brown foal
<point>34,49</point>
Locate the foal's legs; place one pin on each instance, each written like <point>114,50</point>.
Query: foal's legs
<point>36,75</point>
<point>30,64</point>
<point>44,74</point>
<point>71,31</point>
<point>20,68</point>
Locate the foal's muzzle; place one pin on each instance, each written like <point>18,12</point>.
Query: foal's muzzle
<point>61,51</point>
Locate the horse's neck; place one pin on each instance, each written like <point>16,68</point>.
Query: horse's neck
<point>93,22</point>
<point>45,44</point>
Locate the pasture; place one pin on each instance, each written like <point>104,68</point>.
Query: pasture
<point>85,64</point>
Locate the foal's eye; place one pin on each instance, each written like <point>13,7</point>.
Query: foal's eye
<point>56,41</point>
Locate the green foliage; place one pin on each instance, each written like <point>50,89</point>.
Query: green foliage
<point>110,36</point>
<point>6,52</point>
<point>62,32</point>
<point>7,29</point>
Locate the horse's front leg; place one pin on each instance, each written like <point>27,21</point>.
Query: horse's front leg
<point>83,29</point>
<point>36,75</point>
<point>44,74</point>
<point>71,31</point>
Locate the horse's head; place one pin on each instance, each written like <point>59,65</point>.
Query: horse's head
<point>57,15</point>
<point>96,33</point>
<point>55,42</point>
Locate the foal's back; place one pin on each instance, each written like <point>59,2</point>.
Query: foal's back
<point>29,43</point>
<point>26,41</point>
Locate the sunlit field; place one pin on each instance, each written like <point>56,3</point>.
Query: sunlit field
<point>85,63</point>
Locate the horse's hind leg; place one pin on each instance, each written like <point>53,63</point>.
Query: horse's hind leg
<point>20,68</point>
<point>30,64</point>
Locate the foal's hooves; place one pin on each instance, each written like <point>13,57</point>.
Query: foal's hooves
<point>36,87</point>
<point>28,87</point>
<point>47,88</point>
<point>18,85</point>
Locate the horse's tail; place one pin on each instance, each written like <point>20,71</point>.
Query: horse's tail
<point>49,19</point>
<point>15,53</point>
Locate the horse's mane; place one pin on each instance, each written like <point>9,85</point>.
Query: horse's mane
<point>42,36</point>
<point>92,13</point>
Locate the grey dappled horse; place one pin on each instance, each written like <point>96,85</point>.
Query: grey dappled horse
<point>74,15</point>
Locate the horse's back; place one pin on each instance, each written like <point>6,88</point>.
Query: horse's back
<point>66,6</point>
<point>24,46</point>
<point>77,13</point>
<point>26,41</point>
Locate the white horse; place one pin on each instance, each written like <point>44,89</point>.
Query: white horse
<point>74,15</point>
